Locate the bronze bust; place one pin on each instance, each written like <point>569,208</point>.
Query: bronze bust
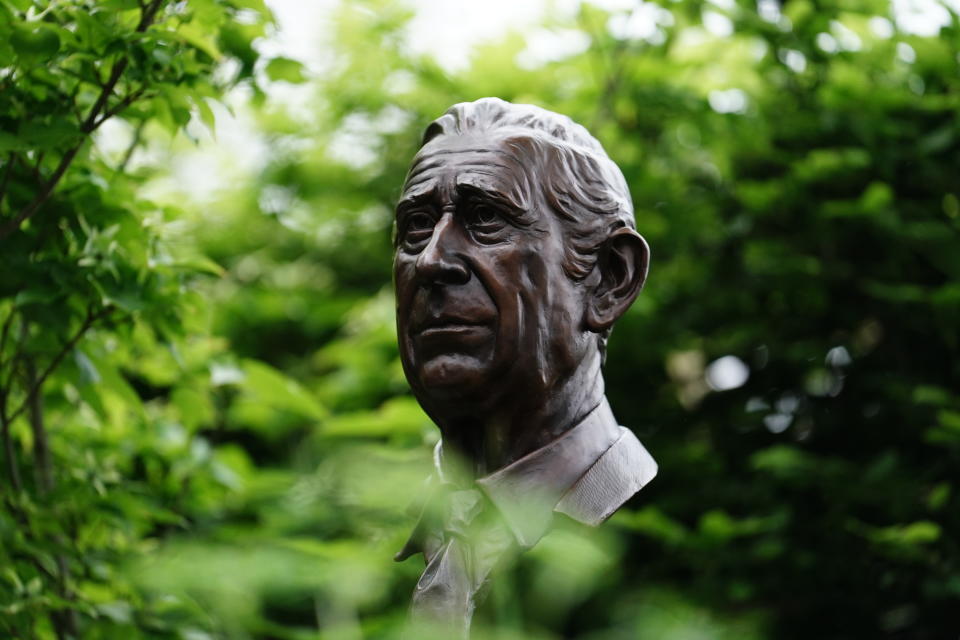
<point>516,251</point>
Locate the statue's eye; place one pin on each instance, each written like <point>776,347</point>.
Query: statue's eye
<point>484,217</point>
<point>419,222</point>
<point>418,227</point>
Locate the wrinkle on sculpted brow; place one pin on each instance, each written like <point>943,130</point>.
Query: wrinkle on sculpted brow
<point>431,152</point>
<point>420,175</point>
<point>415,199</point>
<point>429,159</point>
<point>410,187</point>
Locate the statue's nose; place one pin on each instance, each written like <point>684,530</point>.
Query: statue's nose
<point>439,262</point>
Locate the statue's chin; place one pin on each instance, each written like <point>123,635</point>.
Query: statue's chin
<point>452,376</point>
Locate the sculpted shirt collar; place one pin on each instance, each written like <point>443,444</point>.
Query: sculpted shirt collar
<point>586,474</point>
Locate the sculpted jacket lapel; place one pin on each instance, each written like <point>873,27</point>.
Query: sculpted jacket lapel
<point>527,490</point>
<point>586,474</point>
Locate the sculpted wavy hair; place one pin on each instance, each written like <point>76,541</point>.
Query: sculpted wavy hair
<point>577,180</point>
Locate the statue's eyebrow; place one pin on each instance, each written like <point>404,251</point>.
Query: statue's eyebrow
<point>468,191</point>
<point>415,200</point>
<point>516,211</point>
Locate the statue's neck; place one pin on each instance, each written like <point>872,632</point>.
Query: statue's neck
<point>524,422</point>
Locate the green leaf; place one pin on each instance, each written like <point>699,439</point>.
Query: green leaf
<point>257,5</point>
<point>938,140</point>
<point>201,39</point>
<point>652,522</point>
<point>939,496</point>
<point>56,133</point>
<point>782,460</point>
<point>20,5</point>
<point>10,142</point>
<point>92,32</point>
<point>286,70</point>
<point>206,114</point>
<point>193,405</point>
<point>949,420</point>
<point>273,388</point>
<point>36,41</point>
<point>929,394</point>
<point>129,296</point>
<point>88,370</point>
<point>119,5</point>
<point>397,416</point>
<point>37,295</point>
<point>118,612</point>
<point>915,533</point>
<point>201,264</point>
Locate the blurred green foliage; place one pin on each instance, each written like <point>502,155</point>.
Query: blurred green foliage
<point>206,429</point>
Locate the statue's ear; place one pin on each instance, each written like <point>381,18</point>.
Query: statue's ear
<point>622,262</point>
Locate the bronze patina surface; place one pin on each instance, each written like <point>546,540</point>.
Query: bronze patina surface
<point>516,252</point>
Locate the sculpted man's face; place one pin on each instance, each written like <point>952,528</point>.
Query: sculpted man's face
<point>484,308</point>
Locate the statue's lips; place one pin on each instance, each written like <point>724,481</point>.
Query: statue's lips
<point>452,330</point>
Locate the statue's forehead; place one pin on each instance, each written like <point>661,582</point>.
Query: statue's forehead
<point>483,161</point>
<point>479,142</point>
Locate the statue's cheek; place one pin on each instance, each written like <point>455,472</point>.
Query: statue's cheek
<point>404,268</point>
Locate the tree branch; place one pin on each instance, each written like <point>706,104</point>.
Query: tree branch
<point>89,125</point>
<point>41,443</point>
<point>120,106</point>
<point>7,170</point>
<point>8,384</point>
<point>64,620</point>
<point>9,455</point>
<point>146,18</point>
<point>7,323</point>
<point>67,348</point>
<point>45,192</point>
<point>36,167</point>
<point>134,143</point>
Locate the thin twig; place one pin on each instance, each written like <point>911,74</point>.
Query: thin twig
<point>9,455</point>
<point>73,107</point>
<point>5,331</point>
<point>134,143</point>
<point>36,167</point>
<point>7,170</point>
<point>12,362</point>
<point>45,192</point>
<point>64,620</point>
<point>67,348</point>
<point>89,125</point>
<point>91,122</point>
<point>41,443</point>
<point>120,106</point>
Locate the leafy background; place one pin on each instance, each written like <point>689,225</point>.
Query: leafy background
<point>206,430</point>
